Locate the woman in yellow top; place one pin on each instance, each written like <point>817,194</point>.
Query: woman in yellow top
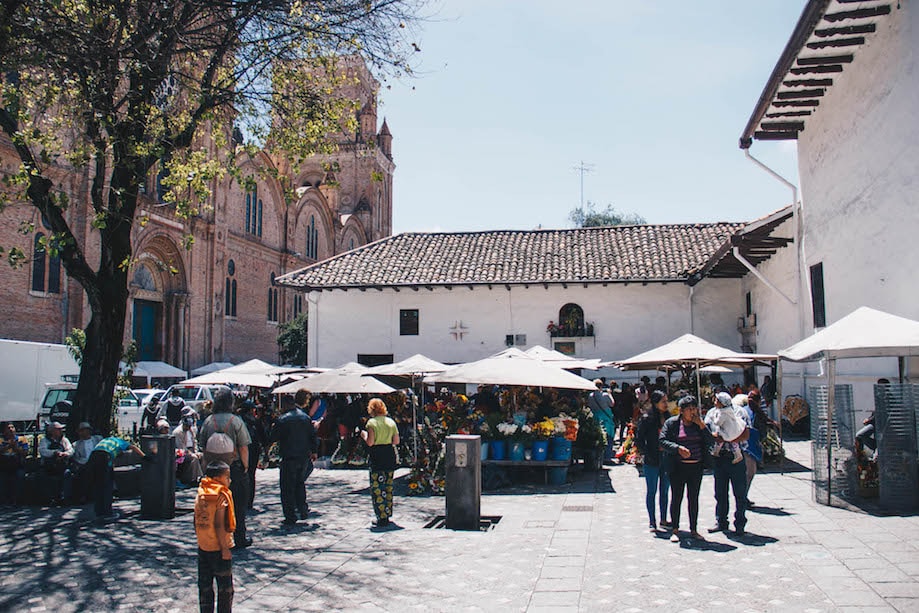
<point>381,436</point>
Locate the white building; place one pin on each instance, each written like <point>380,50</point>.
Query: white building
<point>846,87</point>
<point>456,297</point>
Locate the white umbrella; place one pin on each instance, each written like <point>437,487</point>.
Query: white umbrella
<point>254,373</point>
<point>157,370</point>
<point>416,365</point>
<point>690,350</point>
<point>336,382</point>
<point>209,368</point>
<point>512,368</point>
<point>557,358</point>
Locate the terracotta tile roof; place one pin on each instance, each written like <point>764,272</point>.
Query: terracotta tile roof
<point>583,255</point>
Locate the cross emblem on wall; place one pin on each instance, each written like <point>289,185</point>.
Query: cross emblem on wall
<point>458,330</point>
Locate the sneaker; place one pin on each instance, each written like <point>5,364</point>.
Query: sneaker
<point>247,542</point>
<point>695,535</point>
<point>718,528</point>
<point>666,524</point>
<point>674,538</point>
<point>652,528</point>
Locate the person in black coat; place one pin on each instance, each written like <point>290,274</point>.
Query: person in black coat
<point>297,444</point>
<point>688,442</point>
<point>655,465</point>
<point>258,445</point>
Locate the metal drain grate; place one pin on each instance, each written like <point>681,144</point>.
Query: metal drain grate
<point>581,509</point>
<point>486,522</point>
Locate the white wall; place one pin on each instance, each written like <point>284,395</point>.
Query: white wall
<point>858,161</point>
<point>628,319</point>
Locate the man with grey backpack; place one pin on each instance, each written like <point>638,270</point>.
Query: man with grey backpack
<point>225,437</point>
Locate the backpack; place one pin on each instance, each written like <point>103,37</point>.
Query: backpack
<point>220,444</point>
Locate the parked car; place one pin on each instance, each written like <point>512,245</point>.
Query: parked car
<point>146,395</point>
<point>58,401</point>
<point>193,395</point>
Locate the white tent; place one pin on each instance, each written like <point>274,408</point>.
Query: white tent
<point>254,373</point>
<point>511,367</point>
<point>690,350</point>
<point>336,382</point>
<point>415,365</point>
<point>863,333</point>
<point>209,368</point>
<point>157,370</point>
<point>559,359</point>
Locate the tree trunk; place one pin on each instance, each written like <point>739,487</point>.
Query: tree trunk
<point>101,356</point>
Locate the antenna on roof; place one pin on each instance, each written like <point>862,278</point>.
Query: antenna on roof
<point>582,168</point>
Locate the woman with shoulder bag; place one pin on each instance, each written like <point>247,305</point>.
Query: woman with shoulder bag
<point>656,465</point>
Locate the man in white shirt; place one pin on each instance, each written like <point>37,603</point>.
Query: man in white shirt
<point>81,450</point>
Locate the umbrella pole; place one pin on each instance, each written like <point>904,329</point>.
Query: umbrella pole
<point>415,421</point>
<point>777,399</point>
<point>698,384</point>
<point>830,401</point>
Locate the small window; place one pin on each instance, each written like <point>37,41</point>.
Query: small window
<point>229,290</point>
<point>817,295</point>
<point>749,304</point>
<point>374,359</point>
<point>38,264</point>
<point>408,322</point>
<point>253,212</point>
<point>312,239</point>
<point>520,340</point>
<point>272,300</point>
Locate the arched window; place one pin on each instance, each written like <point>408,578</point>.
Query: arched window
<point>230,291</point>
<point>253,212</point>
<point>298,304</point>
<point>38,264</point>
<point>351,246</point>
<point>272,300</point>
<point>312,239</point>
<point>571,320</point>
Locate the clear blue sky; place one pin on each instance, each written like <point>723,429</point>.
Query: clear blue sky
<point>512,95</point>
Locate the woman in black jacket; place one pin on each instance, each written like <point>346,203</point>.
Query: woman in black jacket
<point>686,439</point>
<point>655,464</point>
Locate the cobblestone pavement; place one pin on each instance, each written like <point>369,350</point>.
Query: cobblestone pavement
<point>579,547</point>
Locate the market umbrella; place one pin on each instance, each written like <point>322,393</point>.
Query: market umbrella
<point>557,358</point>
<point>415,366</point>
<point>209,368</point>
<point>512,368</point>
<point>253,373</point>
<point>690,350</point>
<point>157,370</point>
<point>336,381</point>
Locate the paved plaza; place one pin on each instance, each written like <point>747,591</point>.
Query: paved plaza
<point>579,547</point>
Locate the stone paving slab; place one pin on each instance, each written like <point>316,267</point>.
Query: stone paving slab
<point>584,546</point>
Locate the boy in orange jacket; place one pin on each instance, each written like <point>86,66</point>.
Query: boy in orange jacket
<point>215,521</point>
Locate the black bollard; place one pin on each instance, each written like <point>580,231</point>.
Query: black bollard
<point>158,477</point>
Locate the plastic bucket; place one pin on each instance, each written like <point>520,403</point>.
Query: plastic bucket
<point>558,476</point>
<point>559,449</point>
<point>497,449</point>
<point>484,450</point>
<point>517,452</point>
<point>540,450</point>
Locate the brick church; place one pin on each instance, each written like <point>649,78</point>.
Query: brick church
<point>216,301</point>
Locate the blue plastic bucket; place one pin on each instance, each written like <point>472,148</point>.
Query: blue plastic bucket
<point>540,450</point>
<point>497,449</point>
<point>559,449</point>
<point>558,476</point>
<point>517,452</point>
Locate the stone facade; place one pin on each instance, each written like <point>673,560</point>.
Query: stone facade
<point>180,309</point>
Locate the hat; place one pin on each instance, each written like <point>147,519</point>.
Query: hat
<point>56,424</point>
<point>84,425</point>
<point>724,398</point>
<point>189,412</point>
<point>162,423</point>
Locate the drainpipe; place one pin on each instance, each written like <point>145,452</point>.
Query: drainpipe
<point>799,238</point>
<point>692,324</point>
<point>313,324</point>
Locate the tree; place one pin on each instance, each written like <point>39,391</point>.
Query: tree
<point>292,340</point>
<point>589,217</point>
<point>121,90</point>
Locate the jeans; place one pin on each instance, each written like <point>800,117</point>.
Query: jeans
<point>102,477</point>
<point>239,487</point>
<point>211,567</point>
<point>690,476</point>
<point>293,488</point>
<point>10,482</point>
<point>657,482</point>
<point>734,475</point>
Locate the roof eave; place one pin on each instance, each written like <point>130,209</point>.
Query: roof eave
<point>381,286</point>
<point>810,17</point>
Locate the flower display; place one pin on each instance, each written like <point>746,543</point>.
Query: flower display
<point>544,429</point>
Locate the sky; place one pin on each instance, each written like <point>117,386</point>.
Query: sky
<point>512,95</point>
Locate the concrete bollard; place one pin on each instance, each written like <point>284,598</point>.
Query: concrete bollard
<point>158,477</point>
<point>463,482</point>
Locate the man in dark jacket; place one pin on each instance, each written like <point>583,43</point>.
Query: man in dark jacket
<point>297,445</point>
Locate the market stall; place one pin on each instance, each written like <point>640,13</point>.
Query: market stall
<point>839,465</point>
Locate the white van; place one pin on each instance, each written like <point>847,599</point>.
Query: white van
<point>58,400</point>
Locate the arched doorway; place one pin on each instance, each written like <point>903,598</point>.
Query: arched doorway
<point>159,303</point>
